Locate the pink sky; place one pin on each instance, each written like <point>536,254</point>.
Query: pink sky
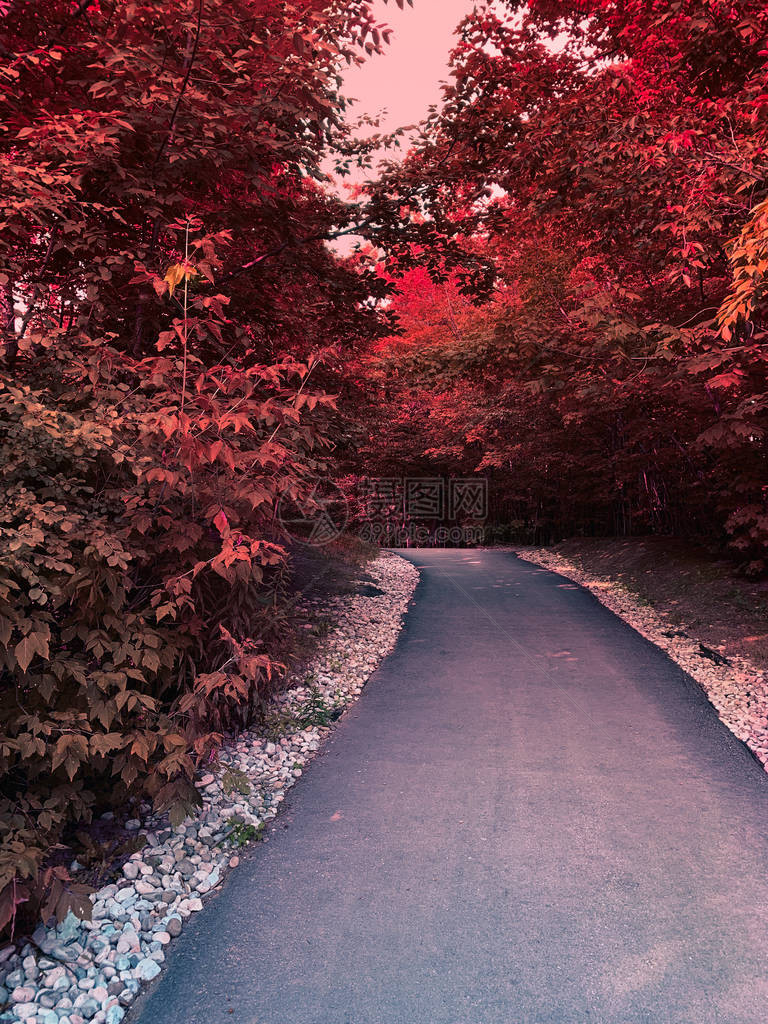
<point>406,80</point>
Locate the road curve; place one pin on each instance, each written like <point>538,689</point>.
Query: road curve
<point>531,815</point>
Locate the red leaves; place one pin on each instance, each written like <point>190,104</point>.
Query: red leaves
<point>64,896</point>
<point>236,420</point>
<point>616,379</point>
<point>221,523</point>
<point>149,425</point>
<point>109,569</point>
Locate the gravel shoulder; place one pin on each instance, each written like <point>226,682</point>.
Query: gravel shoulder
<point>690,607</point>
<point>92,971</point>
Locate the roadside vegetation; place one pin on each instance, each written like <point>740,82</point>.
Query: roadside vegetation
<point>173,325</point>
<point>601,166</point>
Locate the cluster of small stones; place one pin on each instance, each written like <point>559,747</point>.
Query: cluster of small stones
<point>737,690</point>
<point>90,971</point>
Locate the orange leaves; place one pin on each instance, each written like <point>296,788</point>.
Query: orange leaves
<point>163,476</point>
<point>29,646</point>
<point>69,752</point>
<point>168,425</point>
<point>142,746</point>
<point>748,255</point>
<point>177,273</point>
<point>164,610</point>
<point>106,742</point>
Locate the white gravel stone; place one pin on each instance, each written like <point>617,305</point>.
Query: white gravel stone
<point>24,1011</point>
<point>23,994</point>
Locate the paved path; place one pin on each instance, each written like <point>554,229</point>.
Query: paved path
<point>531,815</point>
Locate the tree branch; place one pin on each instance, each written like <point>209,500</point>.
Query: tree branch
<point>317,237</point>
<point>185,82</point>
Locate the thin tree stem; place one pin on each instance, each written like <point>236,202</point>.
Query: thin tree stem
<point>186,292</point>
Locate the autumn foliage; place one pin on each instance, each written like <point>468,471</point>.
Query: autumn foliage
<point>607,162</point>
<point>171,322</point>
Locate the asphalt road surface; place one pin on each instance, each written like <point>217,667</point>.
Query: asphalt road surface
<point>531,815</point>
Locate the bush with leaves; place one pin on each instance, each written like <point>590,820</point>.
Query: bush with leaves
<point>171,318</point>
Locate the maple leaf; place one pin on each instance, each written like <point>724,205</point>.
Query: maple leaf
<point>178,273</point>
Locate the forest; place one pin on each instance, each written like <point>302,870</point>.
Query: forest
<point>558,287</point>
